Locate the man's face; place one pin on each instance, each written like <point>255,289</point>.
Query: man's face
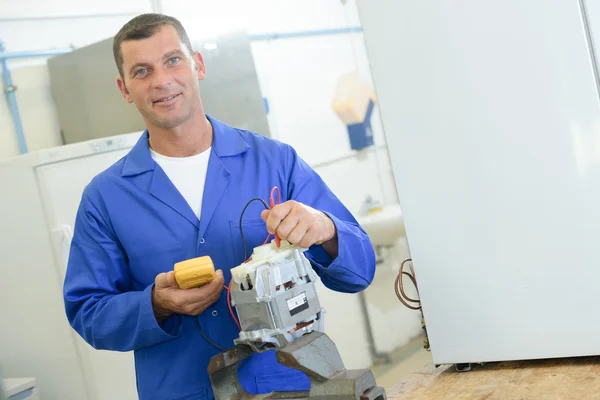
<point>161,78</point>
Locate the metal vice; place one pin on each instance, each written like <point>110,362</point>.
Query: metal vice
<point>315,354</point>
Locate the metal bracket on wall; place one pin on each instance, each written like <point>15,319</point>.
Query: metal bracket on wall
<point>10,89</point>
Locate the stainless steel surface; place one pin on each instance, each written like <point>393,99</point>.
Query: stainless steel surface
<point>88,101</point>
<point>231,91</point>
<point>89,104</point>
<point>315,355</point>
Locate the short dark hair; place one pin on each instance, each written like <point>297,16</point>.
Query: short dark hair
<point>142,27</point>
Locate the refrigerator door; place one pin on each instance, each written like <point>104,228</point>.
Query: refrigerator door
<point>109,374</point>
<point>35,336</point>
<point>492,120</point>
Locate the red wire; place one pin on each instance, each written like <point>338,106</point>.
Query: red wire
<point>277,240</point>
<point>267,239</point>
<point>229,305</point>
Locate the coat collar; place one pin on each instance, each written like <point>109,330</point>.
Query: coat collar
<point>226,142</point>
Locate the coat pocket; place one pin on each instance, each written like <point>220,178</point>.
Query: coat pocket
<point>254,232</point>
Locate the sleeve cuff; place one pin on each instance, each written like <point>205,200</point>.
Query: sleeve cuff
<point>168,329</point>
<point>320,257</point>
<point>346,273</point>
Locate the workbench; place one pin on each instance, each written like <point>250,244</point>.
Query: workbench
<point>554,379</point>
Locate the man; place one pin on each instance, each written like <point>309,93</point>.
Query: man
<point>176,195</point>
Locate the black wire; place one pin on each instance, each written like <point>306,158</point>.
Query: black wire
<point>245,257</point>
<point>206,337</point>
<point>242,215</point>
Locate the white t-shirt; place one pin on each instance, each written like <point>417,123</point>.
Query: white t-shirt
<point>188,174</point>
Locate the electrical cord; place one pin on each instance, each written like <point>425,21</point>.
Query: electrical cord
<point>228,289</point>
<point>207,338</point>
<point>242,216</point>
<point>273,203</point>
<point>399,286</point>
<point>229,304</point>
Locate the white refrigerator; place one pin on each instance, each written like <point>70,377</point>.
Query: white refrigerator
<point>492,117</point>
<point>39,197</point>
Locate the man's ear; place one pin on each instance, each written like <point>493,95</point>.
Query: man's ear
<point>199,65</point>
<point>123,89</point>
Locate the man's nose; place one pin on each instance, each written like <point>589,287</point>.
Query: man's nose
<point>161,78</point>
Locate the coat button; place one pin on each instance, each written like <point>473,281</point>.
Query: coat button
<point>202,241</point>
<point>215,313</point>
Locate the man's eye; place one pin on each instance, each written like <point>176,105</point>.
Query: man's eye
<point>141,71</point>
<point>173,60</point>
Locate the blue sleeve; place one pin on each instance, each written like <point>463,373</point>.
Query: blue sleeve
<point>354,267</point>
<point>100,302</point>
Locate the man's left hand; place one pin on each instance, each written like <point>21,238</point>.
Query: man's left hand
<point>300,224</point>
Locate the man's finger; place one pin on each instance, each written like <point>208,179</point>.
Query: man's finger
<point>310,238</point>
<point>171,281</point>
<point>194,295</point>
<point>200,305</point>
<point>215,291</point>
<point>218,282</point>
<point>297,234</point>
<point>206,301</point>
<point>277,214</point>
<point>265,214</point>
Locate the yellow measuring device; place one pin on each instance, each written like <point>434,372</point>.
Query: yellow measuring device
<point>194,272</point>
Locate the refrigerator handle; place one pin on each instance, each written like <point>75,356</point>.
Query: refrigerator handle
<point>66,235</point>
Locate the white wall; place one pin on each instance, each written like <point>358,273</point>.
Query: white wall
<point>297,76</point>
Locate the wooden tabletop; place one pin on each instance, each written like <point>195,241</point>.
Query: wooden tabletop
<point>555,379</point>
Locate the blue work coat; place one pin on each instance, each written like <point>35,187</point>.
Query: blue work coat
<point>133,224</point>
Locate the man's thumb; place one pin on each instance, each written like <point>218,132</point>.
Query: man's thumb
<point>165,279</point>
<point>160,281</point>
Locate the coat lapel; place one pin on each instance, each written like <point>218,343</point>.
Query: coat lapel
<point>227,142</point>
<point>217,180</point>
<point>164,190</point>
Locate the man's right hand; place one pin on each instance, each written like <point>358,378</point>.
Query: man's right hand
<point>168,299</point>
